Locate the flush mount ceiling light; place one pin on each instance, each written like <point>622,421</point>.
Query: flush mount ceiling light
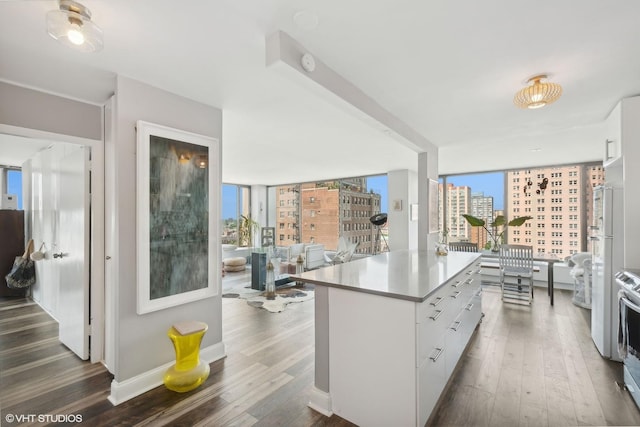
<point>72,26</point>
<point>538,93</point>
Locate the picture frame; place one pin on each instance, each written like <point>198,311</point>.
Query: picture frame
<point>177,204</point>
<point>433,207</point>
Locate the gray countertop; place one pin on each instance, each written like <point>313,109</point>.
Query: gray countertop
<point>405,274</point>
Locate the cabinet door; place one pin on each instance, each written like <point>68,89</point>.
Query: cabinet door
<point>472,314</point>
<point>432,378</point>
<point>613,141</point>
<point>454,343</point>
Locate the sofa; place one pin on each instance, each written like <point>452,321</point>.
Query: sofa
<point>312,256</point>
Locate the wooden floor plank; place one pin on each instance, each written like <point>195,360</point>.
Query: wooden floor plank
<point>525,365</point>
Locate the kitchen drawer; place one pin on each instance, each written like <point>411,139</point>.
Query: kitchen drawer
<point>454,343</point>
<point>425,309</point>
<point>432,379</point>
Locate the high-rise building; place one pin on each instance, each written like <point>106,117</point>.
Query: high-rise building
<point>559,200</point>
<point>458,203</point>
<point>481,208</point>
<point>287,214</point>
<point>322,212</point>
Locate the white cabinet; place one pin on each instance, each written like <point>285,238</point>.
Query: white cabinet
<point>457,308</point>
<point>613,140</point>
<point>390,358</point>
<point>621,156</point>
<point>432,378</point>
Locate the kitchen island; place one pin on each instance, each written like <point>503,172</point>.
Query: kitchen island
<point>390,330</point>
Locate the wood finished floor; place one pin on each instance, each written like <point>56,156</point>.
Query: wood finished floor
<point>524,366</point>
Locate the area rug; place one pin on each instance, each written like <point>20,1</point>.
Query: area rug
<point>284,296</point>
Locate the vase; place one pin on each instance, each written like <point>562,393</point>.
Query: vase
<point>495,248</point>
<point>442,249</point>
<point>189,371</point>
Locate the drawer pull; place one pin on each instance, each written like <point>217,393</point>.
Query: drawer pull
<point>455,285</point>
<point>470,281</point>
<point>434,358</point>
<point>437,301</point>
<point>436,315</point>
<point>455,295</point>
<point>469,307</point>
<point>455,325</point>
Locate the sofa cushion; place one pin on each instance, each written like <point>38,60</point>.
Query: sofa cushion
<point>295,250</point>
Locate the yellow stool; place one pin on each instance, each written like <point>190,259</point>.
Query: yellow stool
<point>188,372</point>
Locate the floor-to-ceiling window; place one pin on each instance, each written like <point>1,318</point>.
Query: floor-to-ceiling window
<point>559,200</point>
<point>324,211</point>
<point>235,210</point>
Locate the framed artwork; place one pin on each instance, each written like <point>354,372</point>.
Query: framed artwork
<point>397,204</point>
<point>178,177</point>
<point>434,207</point>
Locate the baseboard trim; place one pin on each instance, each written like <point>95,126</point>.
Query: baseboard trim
<point>320,401</point>
<point>128,389</point>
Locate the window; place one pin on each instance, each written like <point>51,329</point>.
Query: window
<point>577,181</point>
<point>235,205</point>
<point>13,184</point>
<point>335,208</point>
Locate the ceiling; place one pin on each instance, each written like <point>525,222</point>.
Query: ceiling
<point>448,70</point>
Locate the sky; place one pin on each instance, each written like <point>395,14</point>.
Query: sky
<point>491,184</point>
<point>229,201</point>
<point>14,185</point>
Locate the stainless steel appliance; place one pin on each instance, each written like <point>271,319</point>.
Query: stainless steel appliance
<point>607,247</point>
<point>629,330</point>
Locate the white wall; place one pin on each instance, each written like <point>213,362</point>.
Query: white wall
<point>259,209</point>
<point>427,169</point>
<point>141,342</point>
<point>402,186</point>
<point>27,108</point>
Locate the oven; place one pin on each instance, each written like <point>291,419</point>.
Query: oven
<point>629,329</point>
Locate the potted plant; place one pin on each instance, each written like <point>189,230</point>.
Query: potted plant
<point>246,230</point>
<point>499,221</point>
<point>442,248</point>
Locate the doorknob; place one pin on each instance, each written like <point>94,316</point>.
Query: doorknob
<point>60,255</point>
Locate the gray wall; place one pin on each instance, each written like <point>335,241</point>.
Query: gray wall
<point>141,340</point>
<point>31,109</point>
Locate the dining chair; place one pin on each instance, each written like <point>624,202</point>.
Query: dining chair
<point>516,273</point>
<point>463,247</point>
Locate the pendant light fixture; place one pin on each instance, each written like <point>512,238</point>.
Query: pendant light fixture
<point>71,25</point>
<point>538,93</point>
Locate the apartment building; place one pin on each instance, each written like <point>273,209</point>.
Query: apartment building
<point>559,200</point>
<point>322,212</point>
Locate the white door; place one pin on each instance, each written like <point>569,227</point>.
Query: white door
<point>72,254</point>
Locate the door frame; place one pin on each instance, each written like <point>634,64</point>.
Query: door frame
<point>97,230</point>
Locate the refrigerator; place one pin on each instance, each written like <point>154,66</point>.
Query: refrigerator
<point>607,258</point>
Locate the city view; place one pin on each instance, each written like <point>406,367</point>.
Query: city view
<point>320,212</point>
<point>558,199</point>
